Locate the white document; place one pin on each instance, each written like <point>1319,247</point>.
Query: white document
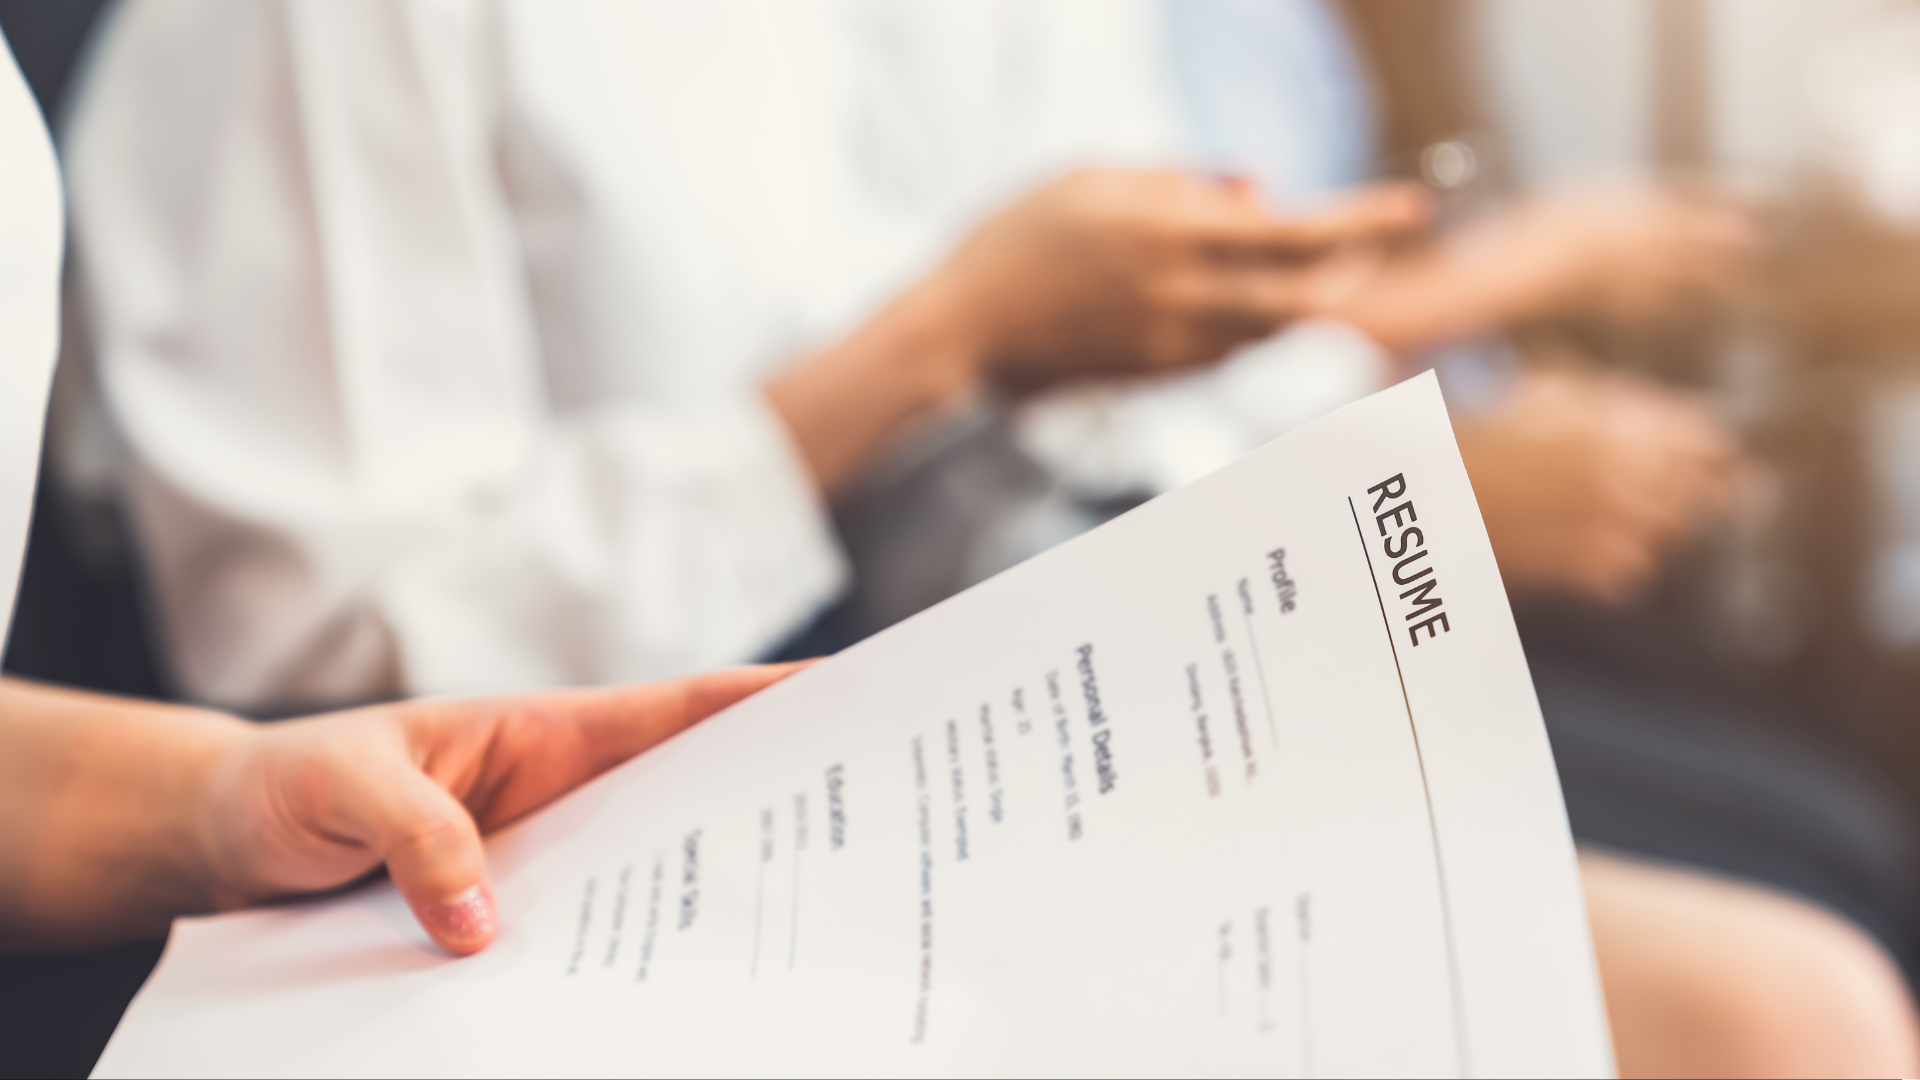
<point>1249,781</point>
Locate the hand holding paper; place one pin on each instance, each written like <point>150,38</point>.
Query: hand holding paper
<point>158,809</point>
<point>317,803</point>
<point>1250,780</point>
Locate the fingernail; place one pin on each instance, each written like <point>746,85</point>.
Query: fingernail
<point>466,919</point>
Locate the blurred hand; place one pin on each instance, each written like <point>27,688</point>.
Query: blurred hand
<point>1630,255</point>
<point>1587,481</point>
<point>1108,272</point>
<point>1104,272</point>
<point>312,804</point>
<point>1633,254</point>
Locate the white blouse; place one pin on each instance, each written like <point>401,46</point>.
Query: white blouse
<point>435,328</point>
<point>30,228</point>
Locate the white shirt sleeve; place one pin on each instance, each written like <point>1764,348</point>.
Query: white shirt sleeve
<point>1103,442</point>
<point>30,229</point>
<point>324,314</point>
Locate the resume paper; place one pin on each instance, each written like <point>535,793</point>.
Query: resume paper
<point>1249,781</point>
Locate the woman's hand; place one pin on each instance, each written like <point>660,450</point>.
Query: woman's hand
<point>1630,255</point>
<point>121,815</point>
<point>1108,272</point>
<point>1587,481</point>
<point>1102,273</point>
<point>311,804</point>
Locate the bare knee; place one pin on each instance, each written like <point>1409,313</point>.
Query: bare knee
<point>1706,977</point>
<point>1821,1000</point>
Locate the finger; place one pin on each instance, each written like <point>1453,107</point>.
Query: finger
<point>1370,216</point>
<point>1661,505</point>
<point>1721,217</point>
<point>537,747</point>
<point>620,723</point>
<point>1618,567</point>
<point>1372,212</point>
<point>1266,298</point>
<point>1241,187</point>
<point>428,841</point>
<point>1679,499</point>
<point>1259,298</point>
<point>1679,458</point>
<point>1336,281</point>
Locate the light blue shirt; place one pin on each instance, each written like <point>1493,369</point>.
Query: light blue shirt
<point>1271,89</point>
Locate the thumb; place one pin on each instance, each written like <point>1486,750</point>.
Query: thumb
<point>432,850</point>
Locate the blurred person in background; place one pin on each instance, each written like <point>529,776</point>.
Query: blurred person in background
<point>1702,976</point>
<point>722,279</point>
<point>1589,480</point>
<point>1280,100</point>
<point>1592,480</point>
<point>490,345</point>
<point>1690,720</point>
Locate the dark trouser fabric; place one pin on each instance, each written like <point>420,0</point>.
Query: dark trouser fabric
<point>1664,752</point>
<point>57,1011</point>
<point>1687,778</point>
